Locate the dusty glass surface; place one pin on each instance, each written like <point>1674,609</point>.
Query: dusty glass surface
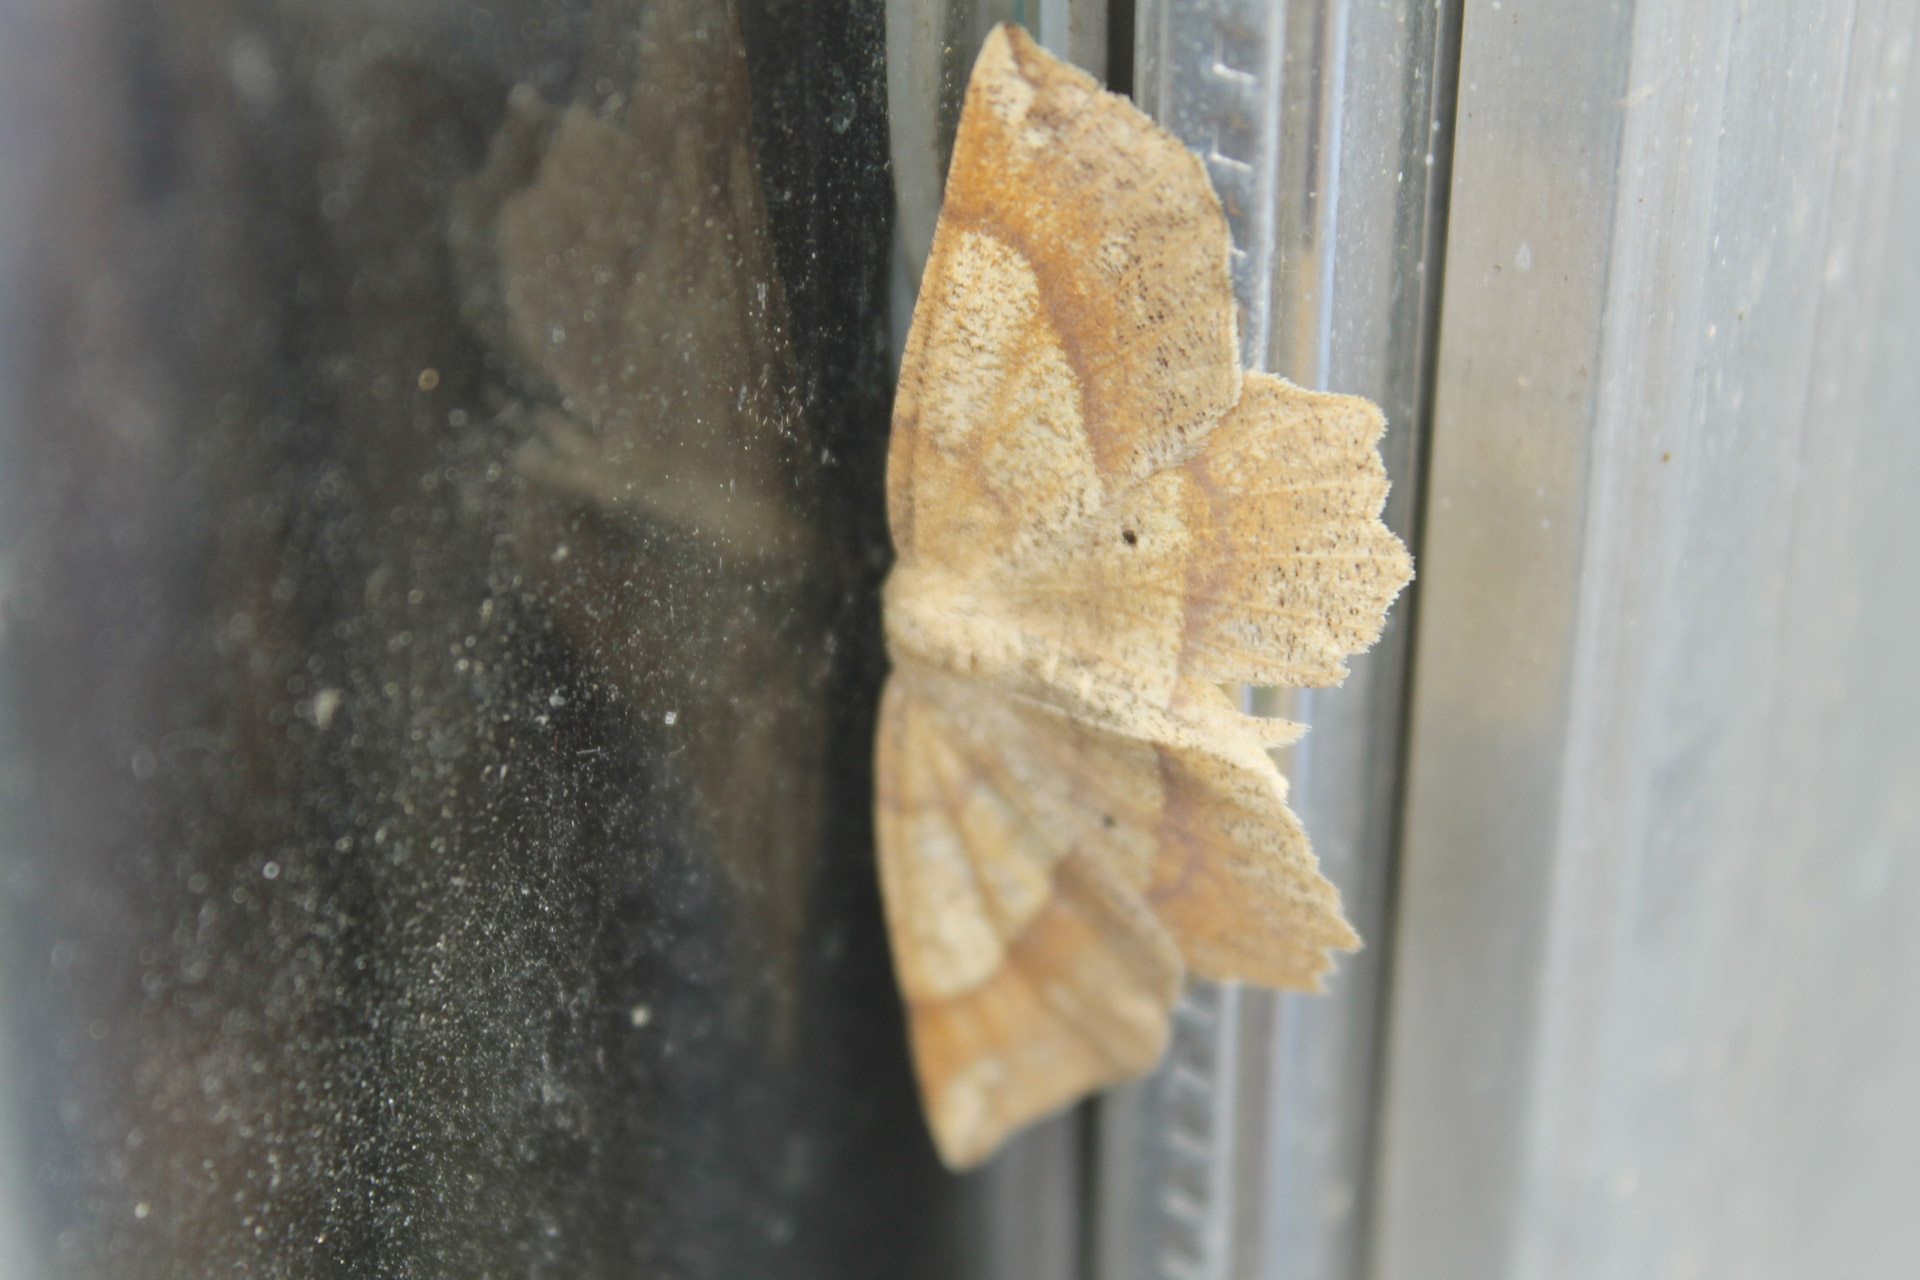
<point>442,457</point>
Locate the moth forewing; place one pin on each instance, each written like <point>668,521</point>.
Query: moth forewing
<point>1098,519</point>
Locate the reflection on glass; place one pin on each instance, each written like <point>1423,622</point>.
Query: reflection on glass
<point>619,255</point>
<point>439,642</point>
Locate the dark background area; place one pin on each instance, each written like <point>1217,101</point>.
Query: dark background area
<point>357,914</point>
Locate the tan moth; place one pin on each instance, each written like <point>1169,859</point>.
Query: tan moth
<point>1099,519</point>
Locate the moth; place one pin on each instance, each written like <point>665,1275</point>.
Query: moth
<point>1099,521</point>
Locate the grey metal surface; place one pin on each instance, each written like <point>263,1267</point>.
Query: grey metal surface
<point>1210,73</point>
<point>1657,980</point>
<point>1169,1149</point>
<point>1360,227</point>
<point>15,1232</point>
<point>1323,125</point>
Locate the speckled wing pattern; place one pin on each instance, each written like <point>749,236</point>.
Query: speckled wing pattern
<point>1099,519</point>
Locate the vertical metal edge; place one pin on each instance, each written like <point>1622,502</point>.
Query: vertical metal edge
<point>1172,1162</point>
<point>1408,390</point>
<point>1661,224</point>
<point>16,1255</point>
<point>1337,194</point>
<point>1031,1208</point>
<point>1367,95</point>
<point>1535,148</point>
<point>1075,31</point>
<point>1605,883</point>
<point>1358,272</point>
<point>1167,1148</point>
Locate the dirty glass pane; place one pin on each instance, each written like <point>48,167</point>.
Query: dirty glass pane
<point>440,476</point>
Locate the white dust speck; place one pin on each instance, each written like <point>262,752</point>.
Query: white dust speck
<point>251,65</point>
